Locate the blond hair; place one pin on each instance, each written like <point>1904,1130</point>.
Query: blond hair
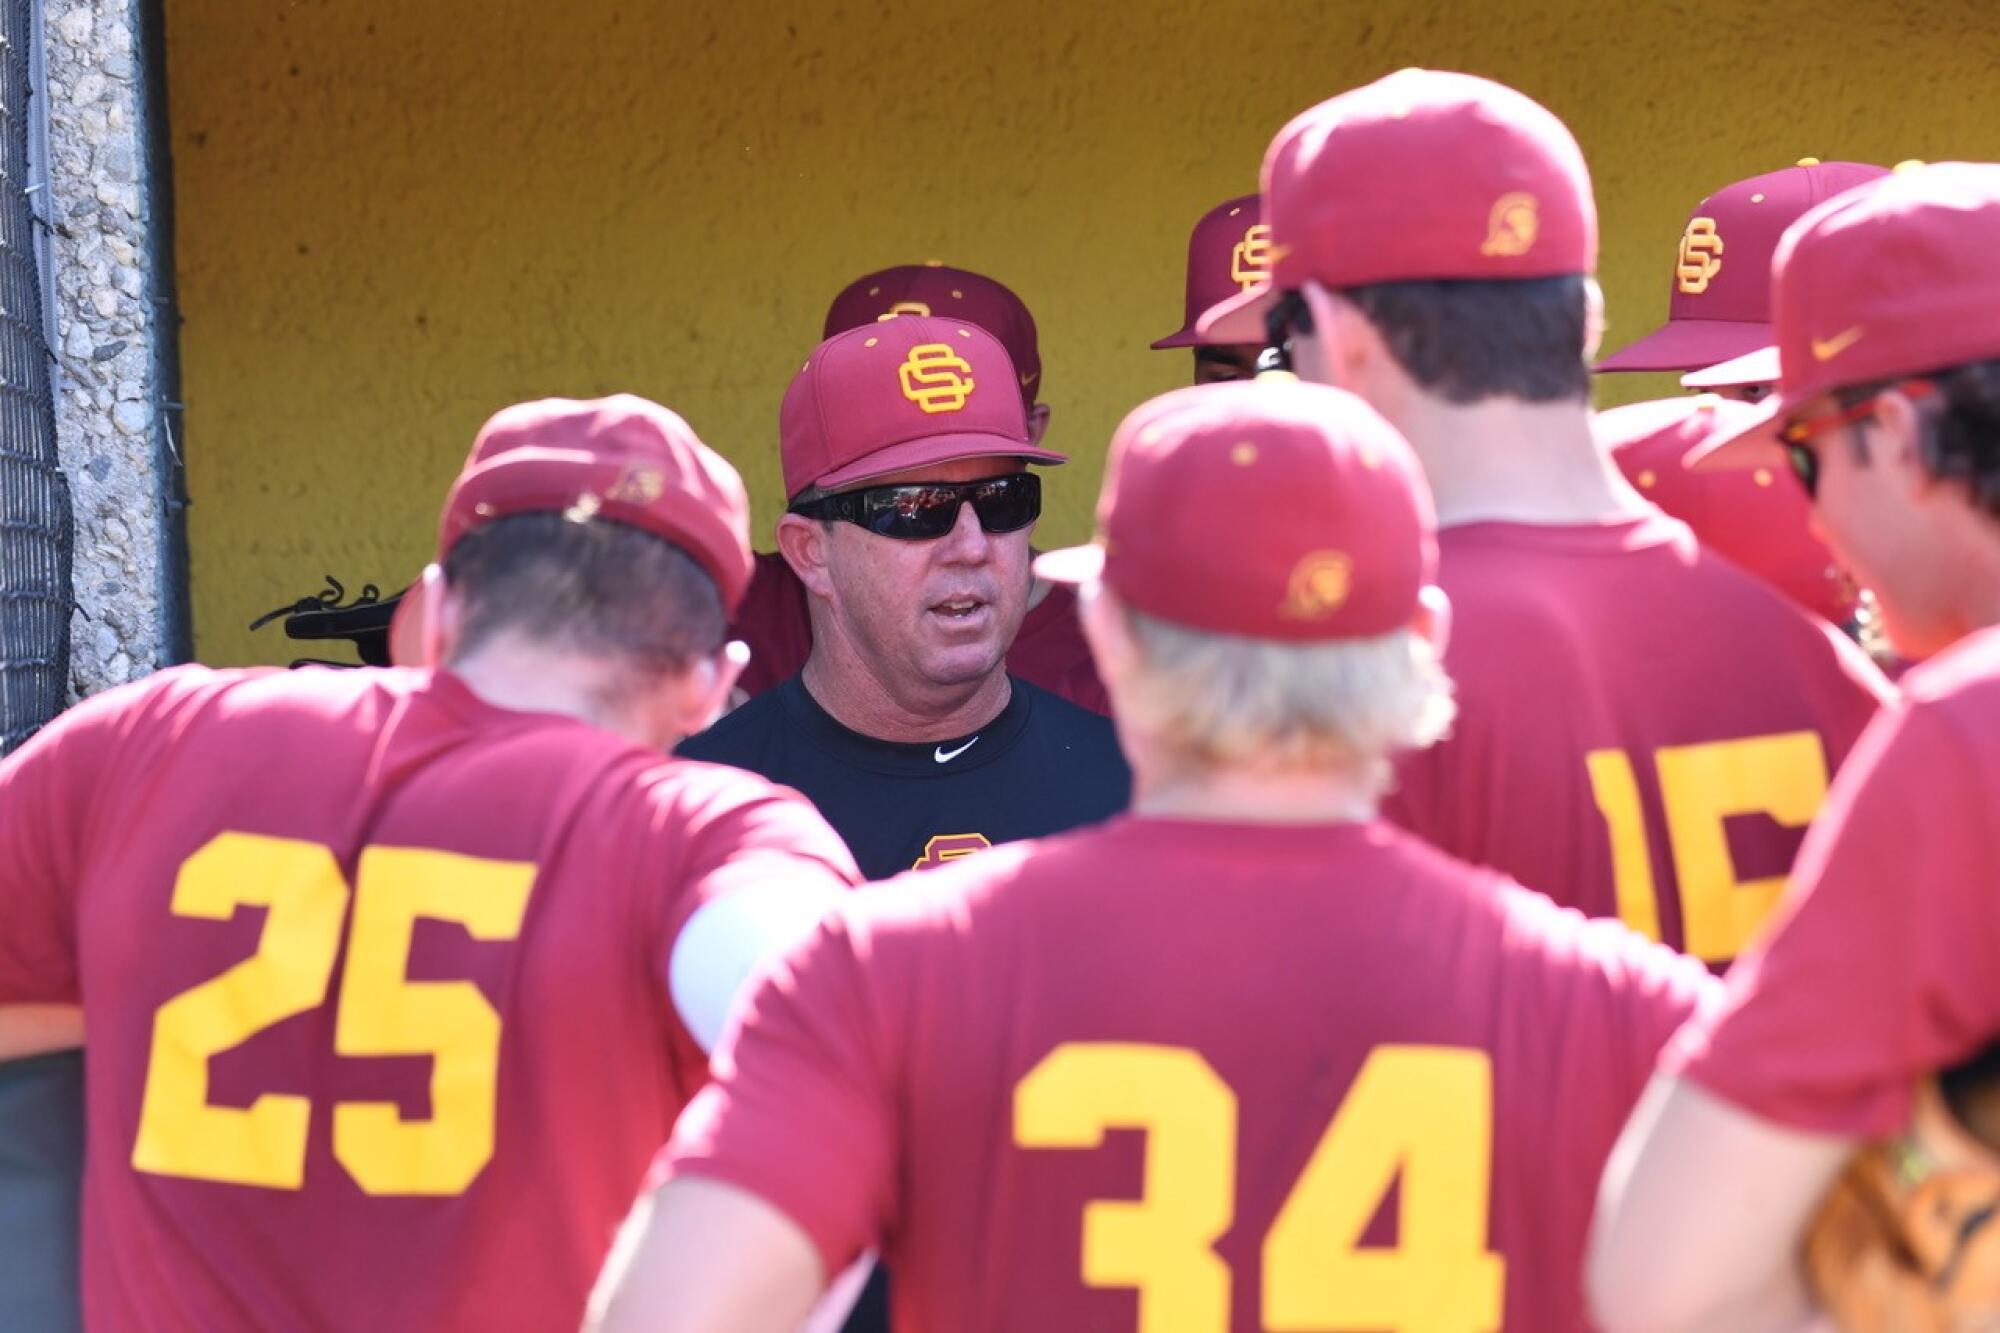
<point>1219,700</point>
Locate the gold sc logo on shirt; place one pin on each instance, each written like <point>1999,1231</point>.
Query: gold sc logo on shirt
<point>1700,257</point>
<point>936,378</point>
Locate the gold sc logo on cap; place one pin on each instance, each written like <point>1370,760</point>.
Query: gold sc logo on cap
<point>1250,261</point>
<point>917,308</point>
<point>1513,225</point>
<point>1700,257</point>
<point>936,378</point>
<point>1318,586</point>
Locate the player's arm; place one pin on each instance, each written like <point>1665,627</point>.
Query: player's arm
<point>782,1170</point>
<point>719,1257</point>
<point>37,1029</point>
<point>760,872</point>
<point>47,794</point>
<point>1874,972</point>
<point>1700,1215</point>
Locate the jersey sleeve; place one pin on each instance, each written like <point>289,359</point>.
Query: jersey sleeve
<point>1616,996</point>
<point>1877,968</point>
<point>756,868</point>
<point>802,1112</point>
<point>47,789</point>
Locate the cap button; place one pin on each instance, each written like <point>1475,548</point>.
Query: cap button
<point>1808,161</point>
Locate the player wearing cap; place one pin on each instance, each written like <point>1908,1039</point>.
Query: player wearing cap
<point>906,453</point>
<point>1229,252</point>
<point>395,979</point>
<point>1164,1073</point>
<point>1752,516</point>
<point>1880,968</point>
<point>1644,730</point>
<point>1719,301</point>
<point>1048,650</point>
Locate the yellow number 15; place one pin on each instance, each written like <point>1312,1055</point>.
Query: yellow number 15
<point>381,1012</point>
<point>1702,786</point>
<point>1422,1112</point>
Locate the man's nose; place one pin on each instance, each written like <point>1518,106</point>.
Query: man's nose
<point>967,542</point>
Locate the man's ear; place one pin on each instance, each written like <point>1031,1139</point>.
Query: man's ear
<point>441,625</point>
<point>1903,422</point>
<point>690,701</point>
<point>1105,629</point>
<point>1593,318</point>
<point>1432,622</point>
<point>803,541</point>
<point>1338,349</point>
<point>1038,422</point>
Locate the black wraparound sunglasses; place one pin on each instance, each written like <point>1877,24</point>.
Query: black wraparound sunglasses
<point>922,511</point>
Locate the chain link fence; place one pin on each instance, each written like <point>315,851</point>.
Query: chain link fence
<point>36,532</point>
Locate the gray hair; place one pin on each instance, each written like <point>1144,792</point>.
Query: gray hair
<point>1220,700</point>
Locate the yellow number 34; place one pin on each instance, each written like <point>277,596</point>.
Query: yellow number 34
<point>381,1012</point>
<point>1424,1112</point>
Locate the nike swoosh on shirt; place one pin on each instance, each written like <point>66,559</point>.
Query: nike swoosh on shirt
<point>944,757</point>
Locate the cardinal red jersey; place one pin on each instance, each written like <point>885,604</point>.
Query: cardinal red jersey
<point>1883,964</point>
<point>1217,1076</point>
<point>375,980</point>
<point>1644,730</point>
<point>1049,650</point>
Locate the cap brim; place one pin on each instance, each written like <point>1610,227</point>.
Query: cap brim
<point>1688,344</point>
<point>1751,441</point>
<point>1183,337</point>
<point>1758,367</point>
<point>1240,319</point>
<point>1071,564</point>
<point>936,449</point>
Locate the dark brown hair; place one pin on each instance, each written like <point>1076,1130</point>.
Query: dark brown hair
<point>1463,341</point>
<point>591,586</point>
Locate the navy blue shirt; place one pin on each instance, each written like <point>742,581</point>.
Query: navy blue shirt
<point>1042,766</point>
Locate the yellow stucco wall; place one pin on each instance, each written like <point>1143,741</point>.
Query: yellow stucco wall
<point>397,215</point>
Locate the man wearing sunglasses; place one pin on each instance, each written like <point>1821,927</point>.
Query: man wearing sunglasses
<point>906,449</point>
<point>1881,968</point>
<point>1597,756</point>
<point>1048,650</point>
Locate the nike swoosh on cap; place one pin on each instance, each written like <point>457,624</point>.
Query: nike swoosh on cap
<point>1825,349</point>
<point>943,757</point>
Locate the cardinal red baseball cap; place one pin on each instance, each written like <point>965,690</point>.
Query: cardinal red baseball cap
<point>1264,508</point>
<point>903,393</point>
<point>621,458</point>
<point>936,290</point>
<point>1897,277</point>
<point>1719,305</point>
<point>1755,517</point>
<point>1420,175</point>
<point>1229,252</point>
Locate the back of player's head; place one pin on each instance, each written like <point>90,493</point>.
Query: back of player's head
<point>605,527</point>
<point>1456,213</point>
<point>937,291</point>
<point>1269,544</point>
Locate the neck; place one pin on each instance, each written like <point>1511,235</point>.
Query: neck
<point>1975,580</point>
<point>522,676</point>
<point>1246,796</point>
<point>1503,460</point>
<point>861,700</point>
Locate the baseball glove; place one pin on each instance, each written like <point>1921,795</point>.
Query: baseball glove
<point>1908,1240</point>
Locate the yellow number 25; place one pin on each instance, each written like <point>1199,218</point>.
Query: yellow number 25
<point>381,1012</point>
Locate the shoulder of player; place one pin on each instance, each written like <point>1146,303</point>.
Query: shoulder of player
<point>1965,674</point>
